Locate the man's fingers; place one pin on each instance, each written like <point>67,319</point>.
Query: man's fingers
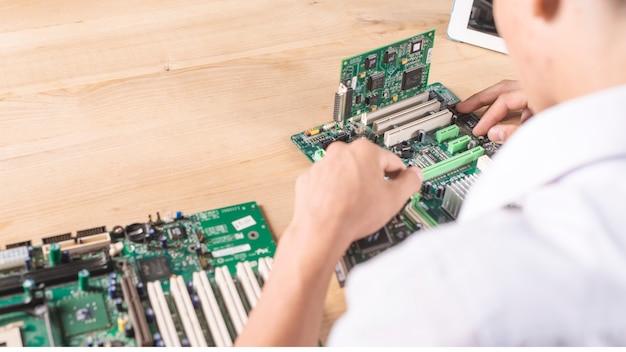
<point>406,183</point>
<point>526,114</point>
<point>505,103</point>
<point>500,133</point>
<point>487,96</point>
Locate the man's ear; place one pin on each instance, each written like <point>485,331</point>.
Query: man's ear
<point>547,9</point>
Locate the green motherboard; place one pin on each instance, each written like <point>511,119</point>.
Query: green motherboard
<point>176,280</point>
<point>414,120</point>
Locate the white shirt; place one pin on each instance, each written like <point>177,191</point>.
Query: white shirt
<point>549,271</point>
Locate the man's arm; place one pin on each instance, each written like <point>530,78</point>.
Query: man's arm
<point>342,198</point>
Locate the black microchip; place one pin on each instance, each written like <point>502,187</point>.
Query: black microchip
<point>389,56</point>
<point>342,136</point>
<point>416,46</point>
<point>358,99</point>
<point>375,81</point>
<point>371,100</point>
<point>176,232</point>
<point>154,268</point>
<point>370,62</point>
<point>411,78</point>
<point>377,240</point>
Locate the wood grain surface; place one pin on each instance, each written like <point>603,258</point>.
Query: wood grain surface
<point>110,111</point>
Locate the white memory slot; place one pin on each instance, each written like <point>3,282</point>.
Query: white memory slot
<point>368,118</point>
<point>270,262</point>
<point>253,279</point>
<point>405,116</point>
<point>212,313</point>
<point>264,269</point>
<point>187,314</point>
<point>231,298</point>
<point>163,315</point>
<point>411,129</point>
<point>246,283</point>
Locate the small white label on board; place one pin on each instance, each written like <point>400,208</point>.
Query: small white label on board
<point>244,223</point>
<point>231,250</point>
<point>429,55</point>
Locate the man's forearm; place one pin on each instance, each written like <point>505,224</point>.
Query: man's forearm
<point>290,310</point>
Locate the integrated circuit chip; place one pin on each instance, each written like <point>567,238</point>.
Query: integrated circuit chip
<point>416,46</point>
<point>390,56</point>
<point>83,314</point>
<point>372,100</point>
<point>154,268</point>
<point>375,81</point>
<point>377,240</point>
<point>411,78</point>
<point>176,232</point>
<point>370,62</point>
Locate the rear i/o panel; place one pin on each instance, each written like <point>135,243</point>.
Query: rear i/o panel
<point>414,120</point>
<point>180,280</point>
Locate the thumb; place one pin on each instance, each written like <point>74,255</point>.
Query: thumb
<point>407,183</point>
<point>501,132</point>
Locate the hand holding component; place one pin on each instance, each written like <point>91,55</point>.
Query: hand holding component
<point>353,191</point>
<point>502,98</point>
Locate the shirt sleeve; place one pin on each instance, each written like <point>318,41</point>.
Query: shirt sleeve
<point>505,280</point>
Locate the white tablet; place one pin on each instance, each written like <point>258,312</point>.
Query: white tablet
<point>472,22</point>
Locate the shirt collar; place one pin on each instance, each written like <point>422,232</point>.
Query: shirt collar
<point>550,145</point>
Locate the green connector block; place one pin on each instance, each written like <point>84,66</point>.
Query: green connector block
<point>318,155</point>
<point>454,162</point>
<point>447,133</point>
<point>458,144</point>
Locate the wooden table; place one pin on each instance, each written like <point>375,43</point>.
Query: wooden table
<point>110,111</point>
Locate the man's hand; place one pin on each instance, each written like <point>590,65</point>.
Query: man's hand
<point>345,195</point>
<point>342,197</point>
<point>503,98</point>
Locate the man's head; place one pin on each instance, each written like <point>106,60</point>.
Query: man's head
<point>563,49</point>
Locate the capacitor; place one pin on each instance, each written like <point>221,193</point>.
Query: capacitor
<point>196,301</point>
<point>119,304</point>
<point>65,256</point>
<point>55,254</point>
<point>129,331</point>
<point>150,317</point>
<point>89,341</point>
<point>185,342</point>
<point>100,343</point>
<point>28,263</point>
<point>163,242</point>
<point>31,251</point>
<point>83,280</point>
<point>112,292</point>
<point>427,187</point>
<point>156,336</point>
<point>190,287</point>
<point>29,286</point>
<point>472,144</point>
<point>179,215</point>
<point>440,191</point>
<point>122,321</point>
<point>159,343</point>
<point>140,289</point>
<point>421,136</point>
<point>117,231</point>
